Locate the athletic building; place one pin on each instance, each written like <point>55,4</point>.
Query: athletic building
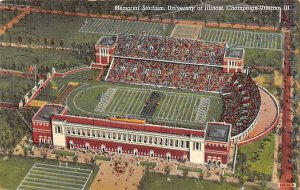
<point>51,125</point>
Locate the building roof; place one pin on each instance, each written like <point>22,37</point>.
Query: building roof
<point>217,132</point>
<point>107,40</point>
<point>234,52</point>
<point>46,112</point>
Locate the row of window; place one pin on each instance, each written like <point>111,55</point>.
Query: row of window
<point>145,139</point>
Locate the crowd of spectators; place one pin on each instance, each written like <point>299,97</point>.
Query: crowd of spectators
<point>181,76</point>
<point>241,102</point>
<point>170,49</point>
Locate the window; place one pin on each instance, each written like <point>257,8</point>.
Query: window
<point>171,142</point>
<point>181,144</point>
<point>166,142</point>
<point>83,132</point>
<point>134,138</point>
<point>114,135</point>
<point>176,143</point>
<point>68,130</point>
<point>145,139</point>
<point>119,136</point>
<point>129,137</point>
<point>74,131</point>
<point>187,145</point>
<point>155,140</point>
<point>160,141</point>
<point>109,135</point>
<point>124,136</point>
<point>140,138</point>
<point>197,146</point>
<point>150,140</point>
<point>58,129</point>
<point>88,132</point>
<point>93,133</point>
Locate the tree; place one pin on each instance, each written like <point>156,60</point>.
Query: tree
<point>52,43</point>
<point>185,173</point>
<point>167,169</point>
<point>46,42</point>
<point>61,43</point>
<point>20,40</point>
<point>75,158</point>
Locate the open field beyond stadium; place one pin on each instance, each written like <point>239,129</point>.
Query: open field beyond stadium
<point>110,26</point>
<point>243,38</point>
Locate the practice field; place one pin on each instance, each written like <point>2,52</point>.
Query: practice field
<point>110,26</point>
<point>243,38</point>
<point>54,177</point>
<point>157,105</point>
<point>39,27</point>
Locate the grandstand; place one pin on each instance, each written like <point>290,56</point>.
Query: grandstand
<point>186,64</point>
<point>170,50</point>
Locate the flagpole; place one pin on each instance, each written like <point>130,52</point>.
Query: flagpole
<point>34,75</point>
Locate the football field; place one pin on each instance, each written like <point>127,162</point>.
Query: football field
<point>243,38</point>
<point>110,26</point>
<point>157,104</point>
<point>54,177</point>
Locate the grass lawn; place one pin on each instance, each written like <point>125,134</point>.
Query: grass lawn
<point>155,181</point>
<point>12,91</point>
<point>51,91</point>
<point>6,16</point>
<point>63,153</point>
<point>150,164</point>
<point>13,170</point>
<point>56,27</point>
<point>22,58</point>
<point>262,57</point>
<point>105,158</point>
<point>189,169</point>
<point>265,164</point>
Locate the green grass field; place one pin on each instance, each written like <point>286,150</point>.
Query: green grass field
<point>56,27</point>
<point>243,38</point>
<point>13,170</point>
<point>55,177</point>
<point>21,58</point>
<point>263,57</point>
<point>154,181</point>
<point>266,155</point>
<point>110,26</point>
<point>6,16</point>
<point>178,108</point>
<point>12,91</point>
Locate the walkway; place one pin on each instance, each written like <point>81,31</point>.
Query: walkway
<point>286,164</point>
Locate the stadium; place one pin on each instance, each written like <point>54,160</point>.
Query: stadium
<point>173,98</point>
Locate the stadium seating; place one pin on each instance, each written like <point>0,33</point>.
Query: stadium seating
<point>170,49</point>
<point>241,102</point>
<point>158,61</point>
<point>158,73</point>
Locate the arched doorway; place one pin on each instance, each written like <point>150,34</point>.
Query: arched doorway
<point>71,144</point>
<point>151,153</point>
<point>168,156</point>
<point>119,150</point>
<point>103,148</point>
<point>87,146</point>
<point>135,152</point>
